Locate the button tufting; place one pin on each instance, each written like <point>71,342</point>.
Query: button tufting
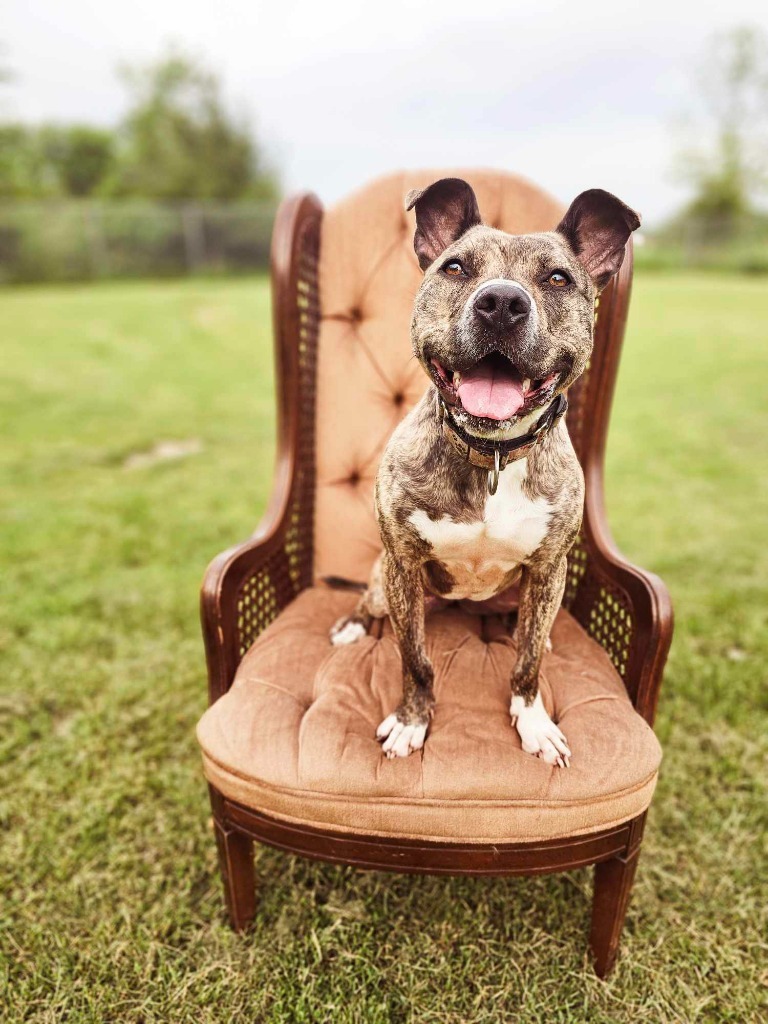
<point>398,398</point>
<point>354,477</point>
<point>355,315</point>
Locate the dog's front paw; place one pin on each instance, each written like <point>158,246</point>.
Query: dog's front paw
<point>399,737</point>
<point>538,733</point>
<point>347,630</point>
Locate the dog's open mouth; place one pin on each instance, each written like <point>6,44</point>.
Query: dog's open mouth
<point>494,388</point>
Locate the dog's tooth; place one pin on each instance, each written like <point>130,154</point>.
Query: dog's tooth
<point>527,384</point>
<point>456,378</point>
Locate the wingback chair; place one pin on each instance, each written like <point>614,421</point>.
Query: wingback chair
<point>288,742</point>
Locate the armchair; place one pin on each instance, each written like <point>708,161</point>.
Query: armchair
<point>342,284</point>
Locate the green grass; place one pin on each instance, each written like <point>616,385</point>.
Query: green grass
<point>111,903</point>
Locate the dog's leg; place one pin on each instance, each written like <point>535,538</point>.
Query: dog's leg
<point>406,728</point>
<point>547,646</point>
<point>541,591</point>
<point>372,605</point>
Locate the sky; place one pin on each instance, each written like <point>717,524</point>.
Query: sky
<point>571,95</point>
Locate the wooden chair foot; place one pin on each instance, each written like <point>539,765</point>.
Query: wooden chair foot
<point>613,886</point>
<point>237,873</point>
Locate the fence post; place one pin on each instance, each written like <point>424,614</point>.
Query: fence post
<point>98,257</point>
<point>194,236</point>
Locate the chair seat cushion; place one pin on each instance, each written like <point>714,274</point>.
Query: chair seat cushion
<point>294,737</point>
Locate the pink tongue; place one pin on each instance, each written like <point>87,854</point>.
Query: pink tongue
<point>486,390</point>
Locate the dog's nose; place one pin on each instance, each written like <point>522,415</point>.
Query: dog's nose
<point>502,304</point>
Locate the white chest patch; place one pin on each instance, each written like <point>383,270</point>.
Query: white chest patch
<point>480,555</point>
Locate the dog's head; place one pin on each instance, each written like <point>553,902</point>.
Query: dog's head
<point>502,323</point>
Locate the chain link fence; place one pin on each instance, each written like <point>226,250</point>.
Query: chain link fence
<point>88,240</point>
<point>737,243</point>
<point>82,240</point>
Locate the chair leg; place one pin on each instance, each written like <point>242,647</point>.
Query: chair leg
<point>613,886</point>
<point>236,865</point>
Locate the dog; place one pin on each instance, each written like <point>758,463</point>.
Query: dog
<point>479,489</point>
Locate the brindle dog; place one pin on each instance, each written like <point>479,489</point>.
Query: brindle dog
<point>503,325</point>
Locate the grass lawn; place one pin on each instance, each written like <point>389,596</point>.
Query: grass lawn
<point>111,905</point>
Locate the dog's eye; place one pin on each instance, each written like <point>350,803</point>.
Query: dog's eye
<point>453,268</point>
<point>558,279</point>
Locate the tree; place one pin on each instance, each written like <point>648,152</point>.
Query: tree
<point>81,156</point>
<point>179,142</point>
<point>23,173</point>
<point>53,160</point>
<point>728,165</point>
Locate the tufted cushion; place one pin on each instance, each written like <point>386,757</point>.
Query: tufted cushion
<point>367,378</point>
<point>294,737</point>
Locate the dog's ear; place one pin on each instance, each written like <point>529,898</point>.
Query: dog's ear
<point>597,226</point>
<point>444,211</point>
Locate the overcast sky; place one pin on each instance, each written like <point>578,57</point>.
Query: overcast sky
<point>573,95</point>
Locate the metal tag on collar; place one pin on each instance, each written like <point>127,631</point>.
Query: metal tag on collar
<point>493,474</point>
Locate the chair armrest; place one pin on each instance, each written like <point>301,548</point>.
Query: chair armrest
<point>626,609</point>
<point>246,587</point>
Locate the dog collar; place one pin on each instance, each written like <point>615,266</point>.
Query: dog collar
<point>496,455</point>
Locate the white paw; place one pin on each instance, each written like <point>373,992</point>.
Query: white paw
<point>348,631</point>
<point>400,740</point>
<point>539,734</point>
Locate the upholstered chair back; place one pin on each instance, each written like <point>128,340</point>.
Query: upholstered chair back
<point>367,377</point>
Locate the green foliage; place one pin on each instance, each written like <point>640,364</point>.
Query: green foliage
<point>179,142</point>
<point>53,160</point>
<point>727,164</point>
<point>82,156</point>
<point>112,906</point>
<point>24,171</point>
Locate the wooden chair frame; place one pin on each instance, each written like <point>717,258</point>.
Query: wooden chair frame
<point>625,608</point>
